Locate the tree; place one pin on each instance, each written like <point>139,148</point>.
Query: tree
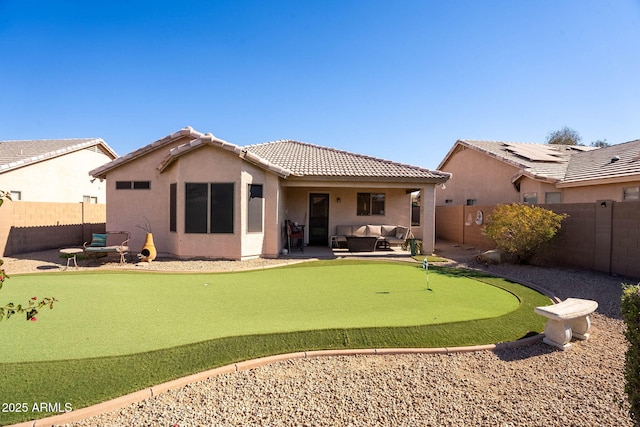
<point>564,136</point>
<point>520,230</point>
<point>32,306</point>
<point>600,143</point>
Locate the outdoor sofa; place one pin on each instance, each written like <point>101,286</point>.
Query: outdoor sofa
<point>369,237</point>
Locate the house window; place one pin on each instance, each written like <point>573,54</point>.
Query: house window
<point>89,199</point>
<point>254,208</point>
<point>173,207</point>
<point>553,197</point>
<point>415,213</point>
<point>209,207</point>
<point>472,202</point>
<point>530,198</point>
<point>448,201</point>
<point>631,193</point>
<point>133,185</point>
<point>370,204</point>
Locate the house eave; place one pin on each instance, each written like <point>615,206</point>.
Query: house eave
<point>542,178</point>
<point>377,182</point>
<point>186,132</point>
<point>600,181</point>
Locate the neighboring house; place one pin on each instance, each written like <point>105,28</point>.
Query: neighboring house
<point>53,170</point>
<point>205,197</point>
<point>492,172</point>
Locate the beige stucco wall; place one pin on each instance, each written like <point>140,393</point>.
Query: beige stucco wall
<point>539,188</point>
<point>596,192</point>
<point>130,209</point>
<point>63,179</point>
<point>480,177</point>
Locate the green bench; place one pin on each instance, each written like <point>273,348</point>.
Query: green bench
<point>115,242</point>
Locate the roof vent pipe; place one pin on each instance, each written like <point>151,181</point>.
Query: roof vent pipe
<point>615,159</point>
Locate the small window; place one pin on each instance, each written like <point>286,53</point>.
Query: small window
<point>89,199</point>
<point>141,185</point>
<point>123,185</point>
<point>530,198</point>
<point>553,197</point>
<point>472,202</point>
<point>254,209</point>
<point>631,193</point>
<point>136,185</point>
<point>370,204</point>
<point>448,201</point>
<point>15,195</point>
<point>415,213</point>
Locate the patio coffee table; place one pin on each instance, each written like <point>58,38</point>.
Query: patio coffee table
<point>71,254</point>
<point>362,243</point>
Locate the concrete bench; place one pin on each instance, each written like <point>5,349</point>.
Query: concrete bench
<point>567,319</point>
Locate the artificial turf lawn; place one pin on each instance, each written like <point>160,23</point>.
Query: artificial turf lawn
<point>118,313</point>
<point>390,288</point>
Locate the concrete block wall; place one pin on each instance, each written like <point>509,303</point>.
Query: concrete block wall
<point>602,236</point>
<point>34,226</point>
<point>625,239</point>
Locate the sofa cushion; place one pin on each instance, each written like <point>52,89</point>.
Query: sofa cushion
<point>343,230</point>
<point>359,231</point>
<point>401,232</point>
<point>374,230</point>
<point>388,231</point>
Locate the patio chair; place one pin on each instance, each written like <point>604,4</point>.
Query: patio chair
<point>295,232</point>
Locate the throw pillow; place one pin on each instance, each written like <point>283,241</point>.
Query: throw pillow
<point>99,240</point>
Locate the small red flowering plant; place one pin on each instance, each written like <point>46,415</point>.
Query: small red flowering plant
<point>32,306</point>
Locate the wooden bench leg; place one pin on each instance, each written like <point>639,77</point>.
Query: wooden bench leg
<point>557,333</point>
<point>581,327</point>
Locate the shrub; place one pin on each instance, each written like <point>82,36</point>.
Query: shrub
<point>520,230</point>
<point>630,308</point>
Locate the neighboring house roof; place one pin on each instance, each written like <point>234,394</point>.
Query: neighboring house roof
<point>15,154</point>
<point>538,161</point>
<point>288,159</point>
<point>614,163</point>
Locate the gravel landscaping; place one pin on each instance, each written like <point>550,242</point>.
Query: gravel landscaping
<point>533,385</point>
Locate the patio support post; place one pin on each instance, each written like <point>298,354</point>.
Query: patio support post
<point>428,218</point>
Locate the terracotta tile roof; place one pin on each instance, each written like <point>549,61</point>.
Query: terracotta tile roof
<point>211,140</point>
<point>308,160</point>
<point>287,159</point>
<point>616,161</point>
<point>188,132</point>
<point>19,153</point>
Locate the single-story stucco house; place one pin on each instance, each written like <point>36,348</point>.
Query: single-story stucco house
<point>205,197</point>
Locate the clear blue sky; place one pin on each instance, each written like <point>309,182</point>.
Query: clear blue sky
<point>399,80</point>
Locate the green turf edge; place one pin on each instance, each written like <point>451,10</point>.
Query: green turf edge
<point>87,382</point>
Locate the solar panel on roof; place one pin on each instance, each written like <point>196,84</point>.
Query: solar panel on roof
<point>536,153</point>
